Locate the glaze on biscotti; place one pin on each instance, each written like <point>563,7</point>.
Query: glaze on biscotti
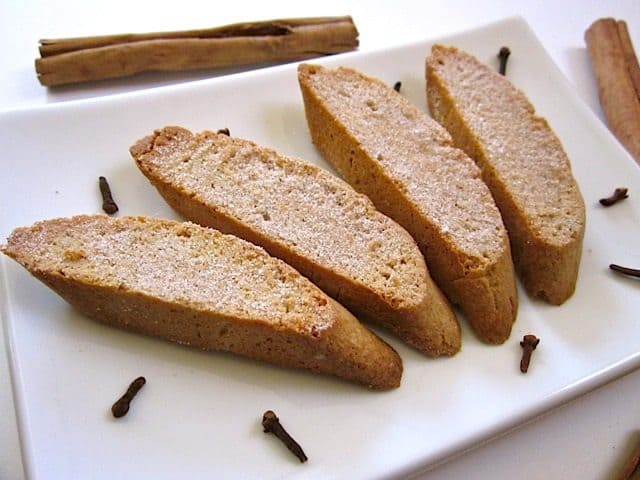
<point>523,163</point>
<point>388,149</point>
<point>196,286</point>
<point>309,218</point>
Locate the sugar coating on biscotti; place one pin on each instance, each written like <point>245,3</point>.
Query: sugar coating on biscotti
<point>522,162</point>
<point>387,148</point>
<point>196,286</point>
<point>309,218</point>
<point>309,209</point>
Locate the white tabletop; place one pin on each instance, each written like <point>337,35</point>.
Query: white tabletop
<point>587,438</point>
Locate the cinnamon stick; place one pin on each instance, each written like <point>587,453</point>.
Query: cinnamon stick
<point>73,60</point>
<point>629,55</point>
<point>618,97</point>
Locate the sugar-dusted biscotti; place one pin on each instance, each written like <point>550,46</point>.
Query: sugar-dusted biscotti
<point>405,162</point>
<point>196,286</point>
<point>309,218</point>
<point>523,163</point>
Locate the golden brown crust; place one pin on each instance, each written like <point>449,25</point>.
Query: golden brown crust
<point>522,162</point>
<point>68,256</point>
<point>415,310</point>
<point>487,270</point>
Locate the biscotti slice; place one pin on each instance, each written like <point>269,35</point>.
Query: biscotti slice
<point>196,286</point>
<point>405,162</point>
<point>522,162</point>
<point>309,218</point>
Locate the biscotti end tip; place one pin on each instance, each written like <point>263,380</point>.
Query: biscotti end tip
<point>308,69</point>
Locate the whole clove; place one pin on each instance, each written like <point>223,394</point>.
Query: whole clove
<point>503,55</point>
<point>632,272</point>
<point>121,407</point>
<point>618,195</point>
<point>528,344</point>
<point>397,86</point>
<point>224,131</point>
<point>108,204</point>
<point>271,424</point>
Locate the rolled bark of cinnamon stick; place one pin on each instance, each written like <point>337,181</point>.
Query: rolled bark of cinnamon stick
<point>616,91</point>
<point>629,55</point>
<point>74,60</point>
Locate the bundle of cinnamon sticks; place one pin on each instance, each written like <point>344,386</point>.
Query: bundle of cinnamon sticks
<point>73,60</point>
<point>618,76</point>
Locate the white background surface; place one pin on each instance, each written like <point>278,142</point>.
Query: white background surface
<point>587,438</point>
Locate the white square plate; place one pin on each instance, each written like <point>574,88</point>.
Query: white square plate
<point>199,414</point>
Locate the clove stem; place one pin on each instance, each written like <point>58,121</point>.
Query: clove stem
<point>632,272</point>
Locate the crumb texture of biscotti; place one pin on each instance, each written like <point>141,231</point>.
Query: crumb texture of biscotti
<point>196,286</point>
<point>309,218</point>
<point>390,150</point>
<point>523,163</point>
